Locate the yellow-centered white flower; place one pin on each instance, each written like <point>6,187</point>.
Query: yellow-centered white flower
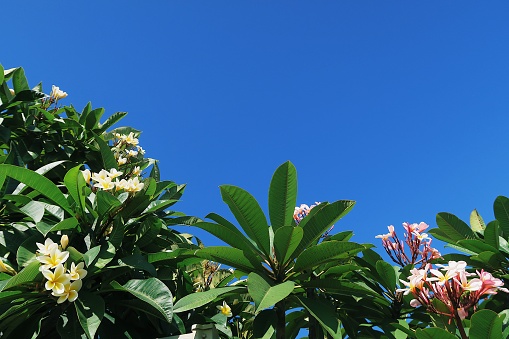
<point>134,185</point>
<point>54,259</point>
<point>57,93</point>
<point>56,280</point>
<point>136,170</point>
<point>87,175</point>
<point>77,271</point>
<point>70,292</point>
<point>121,161</point>
<point>225,309</point>
<point>105,184</point>
<point>114,173</point>
<point>130,139</point>
<point>46,248</point>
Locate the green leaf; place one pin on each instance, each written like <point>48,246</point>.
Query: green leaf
<point>316,224</point>
<point>249,215</point>
<point>227,233</point>
<point>91,254</point>
<point>26,275</point>
<point>501,211</point>
<point>229,256</point>
<point>264,295</point>
<point>66,224</point>
<point>476,221</point>
<point>75,183</point>
<point>434,333</point>
<point>264,324</point>
<point>93,118</point>
<point>26,252</point>
<point>485,324</point>
<point>34,209</point>
<point>90,310</point>
<point>112,120</point>
<point>324,313</point>
<point>286,240</point>
<point>108,158</point>
<point>341,287</point>
<point>453,227</point>
<point>19,80</point>
<point>477,246</point>
<point>326,252</point>
<point>387,274</point>
<point>491,235</point>
<point>36,181</point>
<point>283,195</point>
<point>198,299</point>
<point>153,292</point>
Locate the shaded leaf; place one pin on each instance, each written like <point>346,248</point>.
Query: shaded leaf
<point>283,195</point>
<point>265,295</point>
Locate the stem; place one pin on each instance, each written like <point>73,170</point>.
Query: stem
<point>281,321</point>
<point>459,323</point>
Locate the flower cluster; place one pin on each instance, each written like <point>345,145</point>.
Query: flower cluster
<point>457,289</point>
<point>62,282</point>
<point>126,148</point>
<point>110,180</point>
<point>57,94</point>
<point>302,211</point>
<point>419,245</point>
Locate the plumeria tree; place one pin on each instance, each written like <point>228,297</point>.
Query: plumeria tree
<point>83,223</point>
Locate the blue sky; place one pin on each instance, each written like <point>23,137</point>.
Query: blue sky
<point>401,106</point>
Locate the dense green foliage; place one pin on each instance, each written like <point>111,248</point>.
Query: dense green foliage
<point>87,248</point>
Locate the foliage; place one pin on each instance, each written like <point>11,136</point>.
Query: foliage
<point>86,248</point>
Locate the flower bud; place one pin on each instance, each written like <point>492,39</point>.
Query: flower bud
<point>64,241</point>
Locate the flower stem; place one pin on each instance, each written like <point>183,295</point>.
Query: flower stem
<point>459,324</point>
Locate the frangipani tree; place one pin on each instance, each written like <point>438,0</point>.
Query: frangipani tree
<point>283,261</point>
<point>82,226</point>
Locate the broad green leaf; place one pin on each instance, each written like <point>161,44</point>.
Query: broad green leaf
<point>491,260</point>
<point>341,287</point>
<point>90,309</point>
<point>91,255</point>
<point>265,295</point>
<point>501,211</point>
<point>113,119</point>
<point>198,299</point>
<point>148,231</point>
<point>453,227</point>
<point>227,233</point>
<point>75,183</point>
<point>485,324</point>
<point>324,313</point>
<point>476,221</point>
<point>434,333</point>
<point>316,224</point>
<point>41,170</point>
<point>19,80</point>
<point>68,326</point>
<point>26,275</point>
<point>34,209</point>
<point>93,118</point>
<point>153,292</point>
<point>26,252</point>
<point>492,235</point>
<point>108,158</point>
<point>105,203</point>
<point>104,256</point>
<point>326,252</point>
<point>1,74</point>
<point>66,224</point>
<point>387,274</point>
<point>39,183</point>
<point>249,214</point>
<point>139,262</point>
<point>477,246</point>
<point>229,256</point>
<point>283,195</point>
<point>286,240</point>
<point>264,324</point>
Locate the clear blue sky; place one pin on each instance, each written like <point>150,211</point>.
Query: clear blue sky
<point>402,106</point>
